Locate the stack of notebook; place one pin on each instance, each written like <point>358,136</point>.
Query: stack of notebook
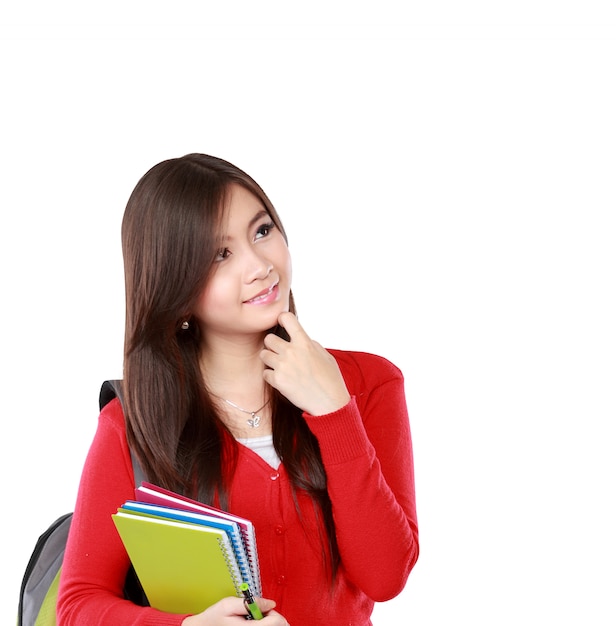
<point>187,555</point>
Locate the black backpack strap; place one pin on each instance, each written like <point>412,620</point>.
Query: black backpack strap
<point>111,389</point>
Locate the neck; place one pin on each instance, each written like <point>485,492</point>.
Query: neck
<point>232,370</point>
<point>234,377</point>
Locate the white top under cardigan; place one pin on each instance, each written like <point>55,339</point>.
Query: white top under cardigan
<point>264,447</point>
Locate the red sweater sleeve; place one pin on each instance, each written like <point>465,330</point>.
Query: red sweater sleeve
<point>367,451</point>
<point>95,562</point>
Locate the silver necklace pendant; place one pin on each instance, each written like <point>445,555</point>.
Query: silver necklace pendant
<point>254,421</point>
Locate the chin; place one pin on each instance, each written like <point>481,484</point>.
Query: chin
<point>273,320</point>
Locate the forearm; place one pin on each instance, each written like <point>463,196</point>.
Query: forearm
<point>372,497</point>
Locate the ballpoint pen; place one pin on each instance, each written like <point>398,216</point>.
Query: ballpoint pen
<point>254,612</point>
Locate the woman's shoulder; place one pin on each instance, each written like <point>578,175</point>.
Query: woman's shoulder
<point>112,415</point>
<point>365,365</point>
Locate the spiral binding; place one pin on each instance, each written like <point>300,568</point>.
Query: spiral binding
<point>256,570</point>
<point>243,560</point>
<point>229,555</point>
<point>250,542</point>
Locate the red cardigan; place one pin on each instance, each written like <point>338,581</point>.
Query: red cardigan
<point>367,452</point>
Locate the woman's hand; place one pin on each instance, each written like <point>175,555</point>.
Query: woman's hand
<point>232,612</point>
<point>302,370</point>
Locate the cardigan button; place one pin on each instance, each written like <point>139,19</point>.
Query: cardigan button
<point>279,530</point>
<point>275,476</point>
<point>281,580</point>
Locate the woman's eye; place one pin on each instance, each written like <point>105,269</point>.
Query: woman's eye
<point>222,254</point>
<point>265,230</point>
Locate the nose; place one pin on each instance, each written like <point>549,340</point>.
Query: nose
<point>257,267</point>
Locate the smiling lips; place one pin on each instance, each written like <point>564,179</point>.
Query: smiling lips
<point>265,297</point>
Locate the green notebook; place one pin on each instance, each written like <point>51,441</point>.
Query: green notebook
<point>183,568</point>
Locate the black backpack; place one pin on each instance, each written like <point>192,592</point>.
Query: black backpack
<point>39,586</point>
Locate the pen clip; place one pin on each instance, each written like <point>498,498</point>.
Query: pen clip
<point>248,615</point>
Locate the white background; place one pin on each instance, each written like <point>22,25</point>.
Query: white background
<point>447,179</point>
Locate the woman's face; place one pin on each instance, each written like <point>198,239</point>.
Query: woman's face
<point>251,279</point>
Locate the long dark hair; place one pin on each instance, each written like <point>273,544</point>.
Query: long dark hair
<point>170,238</point>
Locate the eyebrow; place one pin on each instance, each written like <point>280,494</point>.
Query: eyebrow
<point>258,216</point>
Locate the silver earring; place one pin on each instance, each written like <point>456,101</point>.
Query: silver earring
<point>185,325</point>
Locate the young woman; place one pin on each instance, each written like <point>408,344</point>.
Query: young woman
<point>228,400</point>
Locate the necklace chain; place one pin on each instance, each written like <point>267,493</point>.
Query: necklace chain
<point>255,420</point>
